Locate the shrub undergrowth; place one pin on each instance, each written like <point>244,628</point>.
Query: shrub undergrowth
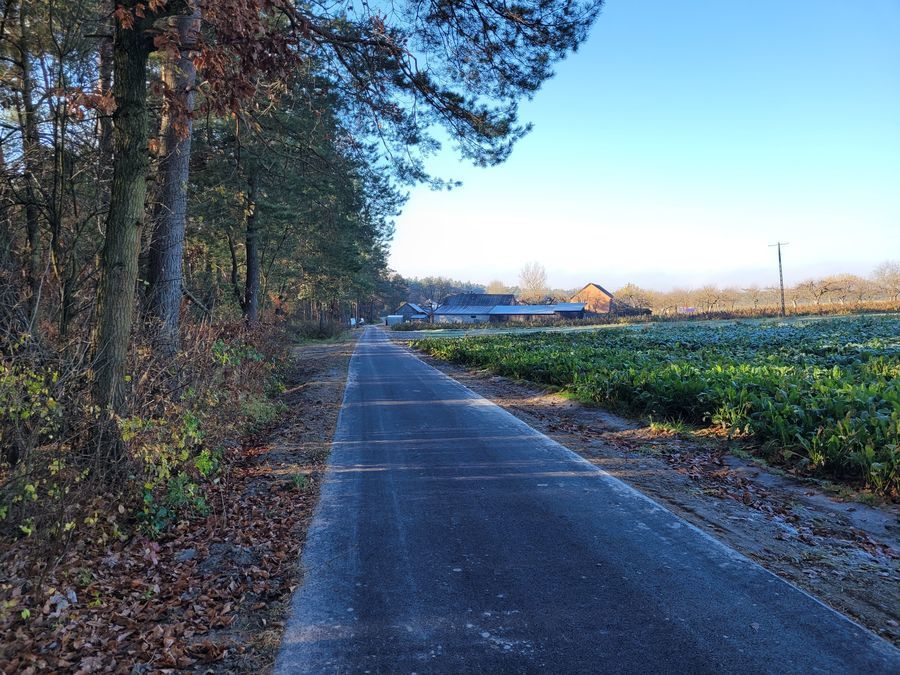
<point>316,330</point>
<point>55,482</point>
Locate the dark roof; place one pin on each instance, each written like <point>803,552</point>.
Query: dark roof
<point>595,286</point>
<point>413,306</point>
<point>470,310</point>
<point>538,310</point>
<point>480,299</point>
<point>523,310</point>
<point>569,306</point>
<point>510,310</point>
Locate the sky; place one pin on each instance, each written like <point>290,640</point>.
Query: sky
<point>679,142</point>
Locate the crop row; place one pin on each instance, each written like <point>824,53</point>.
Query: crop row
<point>823,393</point>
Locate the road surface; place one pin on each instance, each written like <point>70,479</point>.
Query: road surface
<point>452,537</point>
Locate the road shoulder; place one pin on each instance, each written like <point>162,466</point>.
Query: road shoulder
<point>279,484</point>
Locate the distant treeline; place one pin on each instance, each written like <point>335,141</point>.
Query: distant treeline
<point>830,294</point>
<point>881,290</point>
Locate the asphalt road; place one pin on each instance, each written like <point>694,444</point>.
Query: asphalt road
<point>452,537</point>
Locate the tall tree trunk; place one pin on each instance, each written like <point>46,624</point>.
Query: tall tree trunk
<point>104,121</point>
<point>30,147</point>
<point>123,225</point>
<point>170,212</point>
<point>235,286</point>
<point>251,286</point>
<point>6,229</point>
<point>68,298</point>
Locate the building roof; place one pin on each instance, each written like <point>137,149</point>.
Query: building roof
<point>513,310</point>
<point>510,310</point>
<point>482,299</point>
<point>570,306</point>
<point>464,309</point>
<point>597,286</point>
<point>538,310</point>
<point>413,306</point>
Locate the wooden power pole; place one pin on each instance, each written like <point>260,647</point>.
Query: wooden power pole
<point>780,273</point>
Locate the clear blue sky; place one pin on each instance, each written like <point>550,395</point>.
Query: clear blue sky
<point>681,140</point>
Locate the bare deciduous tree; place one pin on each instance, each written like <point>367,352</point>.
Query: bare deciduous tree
<point>816,289</point>
<point>753,294</point>
<point>709,297</point>
<point>635,296</point>
<point>533,282</point>
<point>887,276</point>
<point>496,286</point>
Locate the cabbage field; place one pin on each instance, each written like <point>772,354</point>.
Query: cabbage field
<point>823,394</point>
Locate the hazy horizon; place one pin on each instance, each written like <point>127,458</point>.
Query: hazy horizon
<point>661,282</point>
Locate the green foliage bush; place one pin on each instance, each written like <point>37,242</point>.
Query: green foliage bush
<point>823,393</point>
<point>223,384</point>
<point>260,411</point>
<point>29,407</point>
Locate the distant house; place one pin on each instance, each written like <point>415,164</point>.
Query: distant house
<point>596,299</point>
<point>410,311</point>
<point>482,307</point>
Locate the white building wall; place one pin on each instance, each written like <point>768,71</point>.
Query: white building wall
<point>461,318</point>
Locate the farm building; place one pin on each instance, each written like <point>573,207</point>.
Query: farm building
<point>570,310</point>
<point>479,299</point>
<point>560,310</point>
<point>471,307</point>
<point>410,311</point>
<point>453,313</point>
<point>462,313</point>
<point>596,299</point>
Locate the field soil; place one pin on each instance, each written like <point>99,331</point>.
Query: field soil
<point>845,553</point>
<point>210,594</point>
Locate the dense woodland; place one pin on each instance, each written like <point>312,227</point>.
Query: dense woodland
<point>185,186</point>
<point>180,178</point>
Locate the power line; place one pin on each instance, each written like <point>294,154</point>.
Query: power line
<point>780,273</point>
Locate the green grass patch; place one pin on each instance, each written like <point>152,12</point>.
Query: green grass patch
<point>259,411</point>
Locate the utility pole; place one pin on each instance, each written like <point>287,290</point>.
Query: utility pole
<point>780,273</point>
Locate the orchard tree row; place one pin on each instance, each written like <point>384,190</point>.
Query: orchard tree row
<point>880,290</point>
